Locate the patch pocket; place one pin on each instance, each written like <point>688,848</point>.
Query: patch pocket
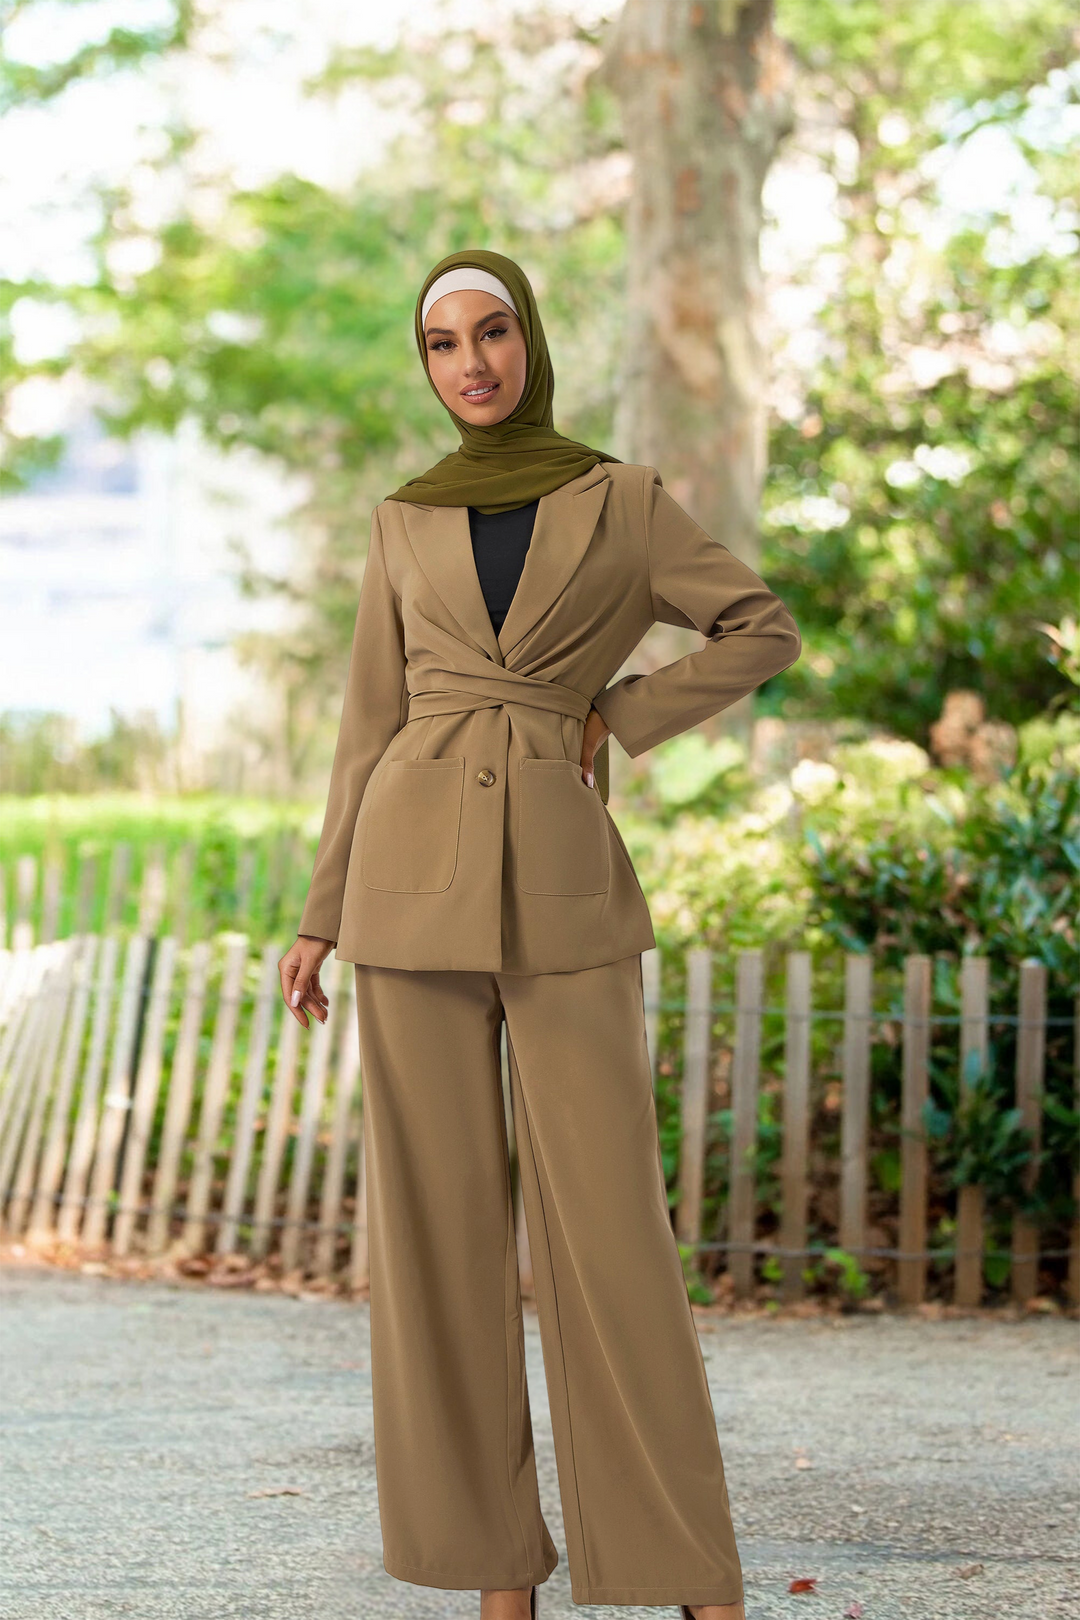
<point>562,845</point>
<point>412,826</point>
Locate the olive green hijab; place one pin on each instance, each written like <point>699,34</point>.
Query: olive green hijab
<point>521,458</point>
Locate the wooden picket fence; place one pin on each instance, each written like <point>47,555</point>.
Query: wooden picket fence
<point>82,1068</point>
<point>161,1101</point>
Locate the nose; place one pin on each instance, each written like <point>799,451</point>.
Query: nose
<point>474,360</point>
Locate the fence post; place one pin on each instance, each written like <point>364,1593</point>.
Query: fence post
<point>650,986</point>
<point>25,890</point>
<point>745,1067</point>
<point>855,1118</point>
<point>116,894</point>
<point>914,1166</point>
<point>267,995</point>
<point>44,1215</point>
<point>118,1092</point>
<point>1030,1078</point>
<point>695,1094</point>
<point>215,1091</point>
<point>974,1043</point>
<point>152,891</point>
<point>278,1124</point>
<point>145,1096</point>
<point>72,1206</point>
<point>181,888</point>
<point>57,993</point>
<point>795,1146</point>
<point>245,883</point>
<point>85,894</point>
<point>181,1093</point>
<point>52,884</point>
<point>19,1091</point>
<point>25,971</point>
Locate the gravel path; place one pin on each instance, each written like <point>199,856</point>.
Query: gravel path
<point>174,1452</point>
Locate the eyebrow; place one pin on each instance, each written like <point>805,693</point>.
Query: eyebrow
<point>481,322</point>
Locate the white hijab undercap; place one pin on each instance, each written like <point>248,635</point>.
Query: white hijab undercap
<point>465,279</point>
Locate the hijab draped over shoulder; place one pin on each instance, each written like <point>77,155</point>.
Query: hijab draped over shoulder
<point>521,458</point>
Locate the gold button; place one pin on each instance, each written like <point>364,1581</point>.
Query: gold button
<point>485,778</point>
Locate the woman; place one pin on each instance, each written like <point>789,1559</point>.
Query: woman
<point>469,868</point>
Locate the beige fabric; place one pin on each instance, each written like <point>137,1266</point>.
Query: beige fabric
<point>641,1478</point>
<point>459,832</point>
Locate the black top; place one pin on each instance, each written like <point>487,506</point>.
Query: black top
<point>499,542</point>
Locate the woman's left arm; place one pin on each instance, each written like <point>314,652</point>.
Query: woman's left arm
<point>697,583</point>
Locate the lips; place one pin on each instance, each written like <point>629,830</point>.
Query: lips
<point>487,391</point>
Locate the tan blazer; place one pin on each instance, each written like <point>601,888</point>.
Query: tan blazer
<point>459,832</point>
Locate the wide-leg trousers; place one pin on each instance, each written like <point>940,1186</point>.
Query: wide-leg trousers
<point>641,1479</point>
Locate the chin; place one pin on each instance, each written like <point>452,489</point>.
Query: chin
<point>484,418</point>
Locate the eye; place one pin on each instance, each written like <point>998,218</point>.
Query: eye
<point>498,331</point>
<point>434,346</point>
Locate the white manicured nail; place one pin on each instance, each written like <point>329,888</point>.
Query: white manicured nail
<point>296,998</point>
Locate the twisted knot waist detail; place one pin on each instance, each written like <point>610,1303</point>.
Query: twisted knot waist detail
<point>449,695</point>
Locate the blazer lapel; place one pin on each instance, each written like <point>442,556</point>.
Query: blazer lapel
<point>564,525</point>
<point>439,536</point>
<point>565,520</point>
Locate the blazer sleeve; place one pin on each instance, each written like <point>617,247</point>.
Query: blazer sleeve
<point>375,708</point>
<point>697,583</point>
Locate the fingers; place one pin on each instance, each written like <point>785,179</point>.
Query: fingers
<point>317,995</point>
<point>301,988</point>
<point>306,992</point>
<point>596,729</point>
<point>317,990</point>
<point>288,967</point>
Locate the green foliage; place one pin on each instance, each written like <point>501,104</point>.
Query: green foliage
<point>250,860</point>
<point>285,327</point>
<point>689,773</point>
<point>929,52</point>
<point>993,868</point>
<point>287,324</point>
<point>851,1279</point>
<point>284,324</point>
<point>699,1291</point>
<point>42,752</point>
<point>920,500</point>
<point>921,505</point>
<point>875,850</point>
<point>951,540</point>
<point>118,48</point>
<point>977,1142</point>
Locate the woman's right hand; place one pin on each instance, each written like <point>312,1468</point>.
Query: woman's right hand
<point>299,969</point>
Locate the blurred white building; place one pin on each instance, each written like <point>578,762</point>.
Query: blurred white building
<point>118,585</point>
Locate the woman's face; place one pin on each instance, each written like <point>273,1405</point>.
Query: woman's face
<point>476,355</point>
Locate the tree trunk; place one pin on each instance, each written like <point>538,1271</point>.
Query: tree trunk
<point>704,95</point>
